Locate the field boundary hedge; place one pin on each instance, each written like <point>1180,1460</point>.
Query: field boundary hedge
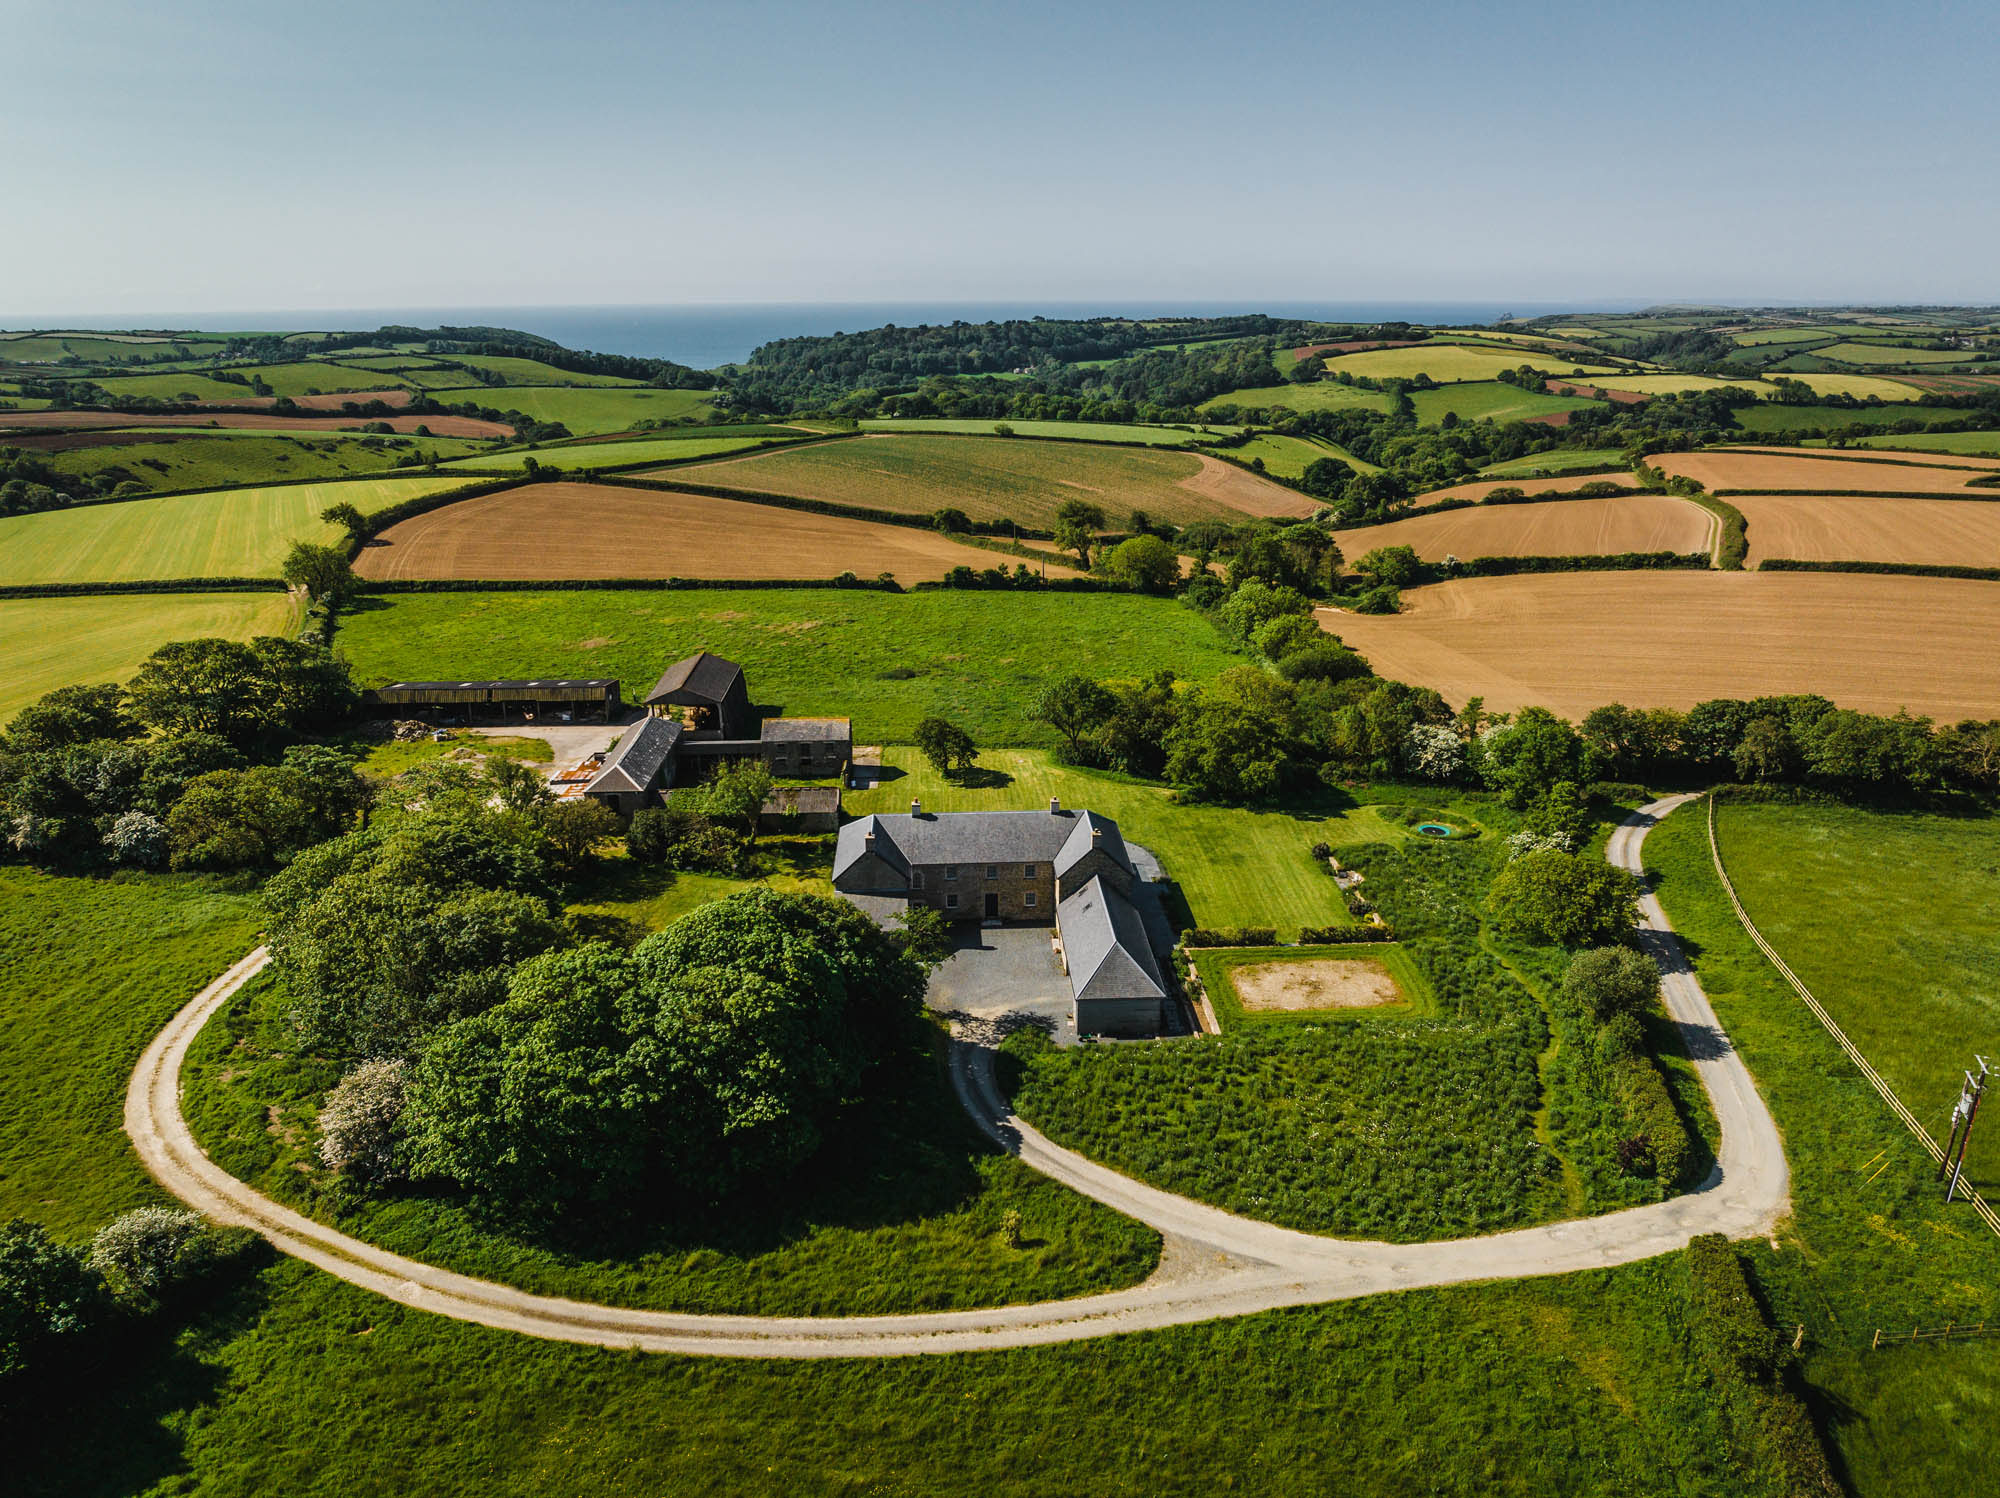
<point>1000,529</point>
<point>1620,561</point>
<point>154,585</point>
<point>1893,569</point>
<point>1732,547</point>
<point>611,584</point>
<point>1857,494</point>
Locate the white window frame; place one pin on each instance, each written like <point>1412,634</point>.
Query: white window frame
<point>1028,870</point>
<point>951,902</point>
<point>916,878</point>
<point>951,873</point>
<point>1028,899</point>
<point>993,871</point>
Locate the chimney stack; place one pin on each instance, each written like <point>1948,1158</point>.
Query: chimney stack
<point>916,807</point>
<point>1055,805</point>
<point>868,840</point>
<point>1096,833</point>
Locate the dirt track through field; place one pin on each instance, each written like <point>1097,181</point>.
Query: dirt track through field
<point>1574,641</point>
<point>1753,471</point>
<point>1213,1264</point>
<point>563,530</point>
<point>1935,532</point>
<point>1565,527</point>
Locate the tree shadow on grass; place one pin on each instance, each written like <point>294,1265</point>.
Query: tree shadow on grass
<point>980,778</point>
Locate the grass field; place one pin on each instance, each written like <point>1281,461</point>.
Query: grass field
<point>1289,457</point>
<point>1490,401</point>
<point>1927,997</point>
<point>1980,444</point>
<point>1557,484</point>
<point>611,454</point>
<point>1772,416</point>
<point>169,387</point>
<point>1939,532</point>
<point>1559,461</point>
<point>586,412</point>
<point>534,372</point>
<point>47,643</point>
<point>992,478</point>
<point>1759,337</point>
<point>1817,469</point>
<point>1450,363</point>
<point>564,530</point>
<point>191,461</point>
<point>1575,641</point>
<point>900,1211</point>
<point>1231,867</point>
<point>232,533</point>
<point>1075,431</point>
<point>1570,527</point>
<point>1321,395</point>
<point>884,660</point>
<point>1886,354</point>
<point>317,377</point>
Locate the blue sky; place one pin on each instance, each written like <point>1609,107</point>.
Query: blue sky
<point>226,156</point>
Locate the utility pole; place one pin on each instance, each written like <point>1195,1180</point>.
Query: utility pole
<point>1962,1117</point>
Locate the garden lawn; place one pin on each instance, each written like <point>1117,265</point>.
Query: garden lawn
<point>224,533</point>
<point>585,411</point>
<point>1921,996</point>
<point>1230,866</point>
<point>47,643</point>
<point>885,660</point>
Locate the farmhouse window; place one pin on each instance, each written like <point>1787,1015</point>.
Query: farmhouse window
<point>993,871</point>
<point>1028,899</point>
<point>1027,871</point>
<point>916,878</point>
<point>951,902</point>
<point>951,871</point>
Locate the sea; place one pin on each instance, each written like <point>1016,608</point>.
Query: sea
<point>706,335</point>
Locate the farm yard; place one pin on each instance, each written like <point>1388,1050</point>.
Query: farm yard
<point>229,533</point>
<point>1931,532</point>
<point>1005,479</point>
<point>562,530</point>
<point>1574,641</point>
<point>1570,527</point>
<point>47,643</point>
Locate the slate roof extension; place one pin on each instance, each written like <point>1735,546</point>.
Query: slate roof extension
<point>637,760</point>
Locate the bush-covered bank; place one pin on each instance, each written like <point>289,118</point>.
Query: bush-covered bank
<point>1894,569</point>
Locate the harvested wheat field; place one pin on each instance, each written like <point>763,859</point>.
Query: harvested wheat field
<point>1752,472</point>
<point>1892,457</point>
<point>1936,532</point>
<point>1004,478</point>
<point>1574,641</point>
<point>1563,527</point>
<point>1345,983</point>
<point>551,531</point>
<point>1562,483</point>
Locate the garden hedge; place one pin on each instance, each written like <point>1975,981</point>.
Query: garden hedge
<point>1339,936</point>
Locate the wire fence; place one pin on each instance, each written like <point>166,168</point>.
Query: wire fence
<point>1951,1331</point>
<point>1875,1080</point>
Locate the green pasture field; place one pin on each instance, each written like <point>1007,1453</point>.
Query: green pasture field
<point>1228,866</point>
<point>585,455</point>
<point>900,1211</point>
<point>1858,386</point>
<point>193,459</point>
<point>1926,997</point>
<point>1558,460</point>
<point>1771,416</point>
<point>172,387</point>
<point>1869,1243</point>
<point>47,643</point>
<point>318,377</point>
<point>586,412</point>
<point>1970,444</point>
<point>1289,457</point>
<point>386,361</point>
<point>1218,967</point>
<point>992,478</point>
<point>1882,353</point>
<point>1321,395</point>
<point>90,348</point>
<point>231,533</point>
<point>1075,431</point>
<point>1449,363</point>
<point>1484,401</point>
<point>534,372</point>
<point>977,658</point>
<point>1761,337</point>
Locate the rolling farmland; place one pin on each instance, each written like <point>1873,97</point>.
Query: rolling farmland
<point>1751,472</point>
<point>246,421</point>
<point>1947,532</point>
<point>1486,400</point>
<point>1321,395</point>
<point>235,533</point>
<point>611,454</point>
<point>1074,431</point>
<point>47,643</point>
<point>599,530</point>
<point>1575,641</point>
<point>1449,363</point>
<point>585,411</point>
<point>1005,479</point>
<point>1981,444</point>
<point>1560,483</point>
<point>1570,527</point>
<point>1883,353</point>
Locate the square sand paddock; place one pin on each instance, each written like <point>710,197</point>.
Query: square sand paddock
<point>1325,983</point>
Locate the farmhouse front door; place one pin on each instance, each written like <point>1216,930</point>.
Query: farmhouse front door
<point>992,907</point>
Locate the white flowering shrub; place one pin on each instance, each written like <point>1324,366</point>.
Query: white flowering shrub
<point>153,1248</point>
<point>360,1133</point>
<point>138,840</point>
<point>1525,842</point>
<point>1433,751</point>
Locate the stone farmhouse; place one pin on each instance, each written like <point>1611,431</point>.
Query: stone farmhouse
<point>1066,868</point>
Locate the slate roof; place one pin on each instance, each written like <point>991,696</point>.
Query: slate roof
<point>708,677</point>
<point>636,763</point>
<point>800,730</point>
<point>974,837</point>
<point>1104,940</point>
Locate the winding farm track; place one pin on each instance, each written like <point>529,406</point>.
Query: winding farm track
<point>1215,1264</point>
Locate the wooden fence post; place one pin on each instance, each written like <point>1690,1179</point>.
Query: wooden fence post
<point>1876,1345</point>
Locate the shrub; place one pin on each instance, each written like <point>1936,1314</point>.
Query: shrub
<point>153,1249</point>
<point>1232,936</point>
<point>47,1291</point>
<point>1606,982</point>
<point>360,1123</point>
<point>138,840</point>
<point>1564,899</point>
<point>1341,936</point>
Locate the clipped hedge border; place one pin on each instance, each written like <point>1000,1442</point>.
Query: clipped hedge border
<point>153,585</point>
<point>612,584</point>
<point>1861,494</point>
<point>1343,936</point>
<point>1623,561</point>
<point>1229,936</point>
<point>1891,569</point>
<point>1651,1109</point>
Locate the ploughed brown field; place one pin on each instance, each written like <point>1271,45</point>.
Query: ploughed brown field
<point>250,421</point>
<point>998,478</point>
<point>1574,641</point>
<point>600,530</point>
<point>1563,527</point>
<point>1562,484</point>
<point>1949,532</point>
<point>1753,471</point>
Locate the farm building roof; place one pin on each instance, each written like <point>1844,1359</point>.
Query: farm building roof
<point>705,676</point>
<point>800,730</point>
<point>505,684</point>
<point>636,763</point>
<point>1104,942</point>
<point>1054,837</point>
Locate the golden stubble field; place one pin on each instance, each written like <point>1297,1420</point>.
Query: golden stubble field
<point>1560,484</point>
<point>564,530</point>
<point>1575,641</point>
<point>1934,532</point>
<point>1566,527</point>
<point>1752,471</point>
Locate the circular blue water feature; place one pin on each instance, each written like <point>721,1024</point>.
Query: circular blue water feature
<point>1434,829</point>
